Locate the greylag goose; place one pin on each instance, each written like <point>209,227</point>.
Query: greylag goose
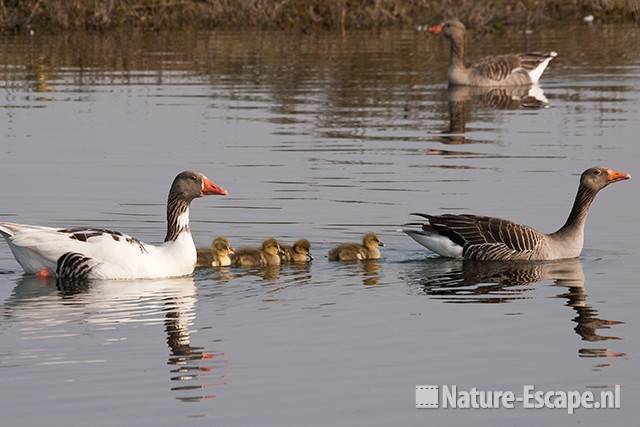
<point>218,255</point>
<point>95,253</point>
<point>493,239</point>
<point>298,253</point>
<point>355,252</point>
<point>268,255</point>
<point>500,70</point>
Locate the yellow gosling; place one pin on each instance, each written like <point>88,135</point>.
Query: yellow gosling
<point>355,252</point>
<point>218,255</point>
<point>299,253</point>
<point>268,254</point>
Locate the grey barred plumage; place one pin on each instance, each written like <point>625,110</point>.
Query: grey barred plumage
<point>530,60</point>
<point>500,68</point>
<point>496,67</point>
<point>74,266</point>
<point>484,237</point>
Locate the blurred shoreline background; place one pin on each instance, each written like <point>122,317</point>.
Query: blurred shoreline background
<point>300,15</point>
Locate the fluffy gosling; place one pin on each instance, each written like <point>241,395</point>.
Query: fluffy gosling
<point>218,255</point>
<point>300,252</point>
<point>268,254</point>
<point>355,252</point>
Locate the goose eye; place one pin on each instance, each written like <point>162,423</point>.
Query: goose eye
<point>597,172</point>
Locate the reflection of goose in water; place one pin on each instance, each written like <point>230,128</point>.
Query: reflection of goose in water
<point>367,270</point>
<point>370,272</point>
<point>499,282</point>
<point>463,98</point>
<point>45,303</point>
<point>38,75</point>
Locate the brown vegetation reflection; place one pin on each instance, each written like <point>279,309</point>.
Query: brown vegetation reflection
<point>361,82</point>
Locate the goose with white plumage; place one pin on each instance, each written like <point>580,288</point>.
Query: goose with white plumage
<point>93,253</point>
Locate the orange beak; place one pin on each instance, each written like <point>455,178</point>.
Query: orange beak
<point>614,176</point>
<point>435,29</point>
<point>232,250</point>
<point>209,188</point>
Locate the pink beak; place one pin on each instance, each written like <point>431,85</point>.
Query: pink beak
<point>209,188</point>
<point>435,29</point>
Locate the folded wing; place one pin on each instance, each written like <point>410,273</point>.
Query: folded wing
<point>486,238</point>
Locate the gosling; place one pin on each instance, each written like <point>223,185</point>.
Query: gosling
<point>355,252</point>
<point>268,254</point>
<point>218,255</point>
<point>300,252</point>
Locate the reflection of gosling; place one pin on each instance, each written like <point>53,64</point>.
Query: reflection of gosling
<point>298,253</point>
<point>219,255</point>
<point>268,254</point>
<point>353,251</point>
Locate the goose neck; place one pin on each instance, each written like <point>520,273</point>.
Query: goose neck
<point>579,212</point>
<point>456,53</point>
<point>177,217</point>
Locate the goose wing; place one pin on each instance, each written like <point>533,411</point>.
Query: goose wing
<point>38,247</point>
<point>500,67</point>
<point>486,238</point>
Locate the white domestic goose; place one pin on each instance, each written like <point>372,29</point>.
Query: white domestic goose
<point>484,238</point>
<point>92,253</point>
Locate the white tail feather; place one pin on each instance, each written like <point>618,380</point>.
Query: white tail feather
<point>536,73</point>
<point>436,243</point>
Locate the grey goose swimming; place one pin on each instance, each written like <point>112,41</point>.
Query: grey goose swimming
<point>499,70</point>
<point>493,239</point>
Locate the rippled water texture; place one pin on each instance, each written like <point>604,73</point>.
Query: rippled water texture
<point>323,137</point>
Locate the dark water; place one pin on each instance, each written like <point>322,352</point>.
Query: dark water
<point>323,137</point>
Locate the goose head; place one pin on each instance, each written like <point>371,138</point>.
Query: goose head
<point>189,185</point>
<point>302,247</point>
<point>451,29</point>
<point>370,240</point>
<point>595,179</point>
<point>271,247</point>
<point>222,247</point>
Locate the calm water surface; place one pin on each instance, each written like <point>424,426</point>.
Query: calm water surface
<point>323,137</point>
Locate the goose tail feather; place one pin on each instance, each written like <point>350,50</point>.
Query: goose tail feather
<point>436,243</point>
